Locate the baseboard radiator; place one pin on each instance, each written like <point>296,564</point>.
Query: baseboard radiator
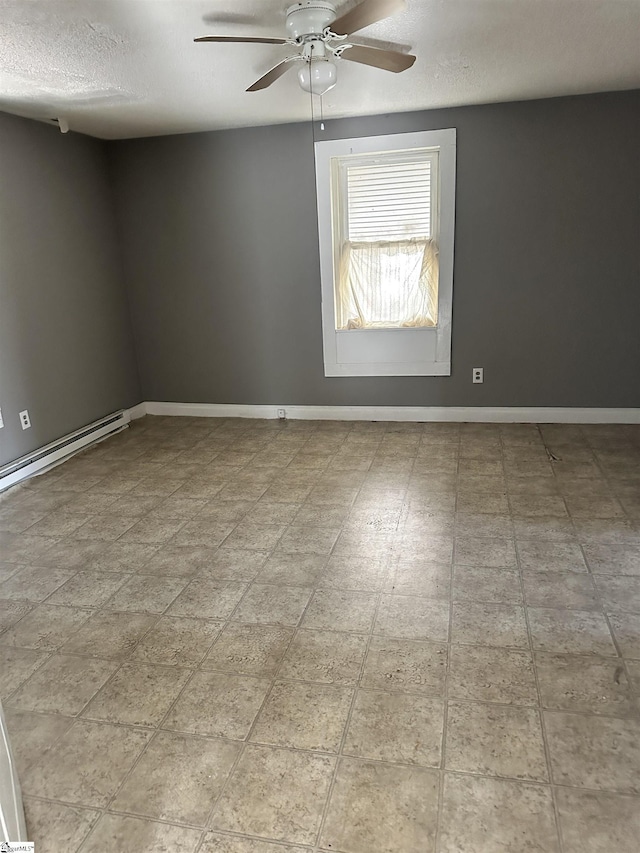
<point>52,454</point>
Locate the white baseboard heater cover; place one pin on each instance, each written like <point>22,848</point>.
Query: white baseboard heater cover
<point>52,454</point>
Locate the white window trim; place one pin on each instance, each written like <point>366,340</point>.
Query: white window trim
<point>428,350</point>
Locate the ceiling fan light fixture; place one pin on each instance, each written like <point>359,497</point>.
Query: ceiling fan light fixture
<point>318,76</point>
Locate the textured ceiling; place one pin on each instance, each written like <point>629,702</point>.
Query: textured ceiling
<point>124,68</point>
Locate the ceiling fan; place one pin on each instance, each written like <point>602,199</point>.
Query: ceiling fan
<point>314,28</point>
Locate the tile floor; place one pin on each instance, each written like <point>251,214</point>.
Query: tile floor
<point>253,637</point>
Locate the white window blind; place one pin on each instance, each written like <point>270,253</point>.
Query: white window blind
<point>389,200</point>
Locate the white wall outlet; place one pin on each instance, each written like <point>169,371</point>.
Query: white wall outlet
<point>25,420</point>
<point>478,375</point>
<point>1,421</point>
<point>282,414</point>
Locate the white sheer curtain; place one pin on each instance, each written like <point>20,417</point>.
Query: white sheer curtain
<point>388,284</point>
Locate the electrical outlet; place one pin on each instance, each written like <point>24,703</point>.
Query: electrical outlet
<point>1,421</point>
<point>282,414</point>
<point>25,420</point>
<point>478,375</point>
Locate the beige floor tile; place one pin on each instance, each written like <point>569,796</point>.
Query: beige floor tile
<point>249,649</point>
<point>176,641</point>
<point>134,505</point>
<point>324,656</point>
<point>570,631</point>
<point>177,561</point>
<point>146,594</point>
<point>34,584</point>
<point>489,624</point>
<point>109,635</point>
<point>420,546</point>
<point>477,583</point>
<point>88,589</point>
<point>271,512</point>
<point>330,517</point>
<point>626,629</point>
<point>568,590</point>
<point>381,807</point>
<point>216,843</point>
<point>58,524</point>
<point>178,507</point>
<point>45,627</point>
<point>156,505</point>
<point>482,526</point>
<point>122,557</point>
<point>492,675</point>
<point>340,610</point>
<point>177,779</point>
<point>114,832</point>
<point>54,827</point>
<point>207,598</point>
<point>613,559</point>
<point>26,549</point>
<point>276,794</point>
<point>363,574</point>
<point>105,528</point>
<point>368,546</point>
<point>303,716</point>
<point>619,593</point>
<point>495,740</point>
<point>405,665</point>
<point>218,704</point>
<point>594,752</point>
<point>492,553</point>
<point>594,506</point>
<point>234,565</point>
<point>425,579</point>
<point>411,618</point>
<point>544,528</point>
<point>590,685</point>
<point>255,537</point>
<point>538,556</point>
<point>63,685</point>
<point>7,570</point>
<point>541,505</point>
<point>138,695</point>
<point>496,816</point>
<point>12,611</point>
<point>205,533</point>
<point>308,540</point>
<point>16,665</point>
<point>594,822</point>
<point>274,605</point>
<point>32,734</point>
<point>482,502</point>
<point>292,569</point>
<point>106,754</point>
<point>396,727</point>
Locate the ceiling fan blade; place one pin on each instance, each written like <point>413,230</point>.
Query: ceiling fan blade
<point>243,39</point>
<point>273,74</point>
<point>389,60</point>
<point>367,12</point>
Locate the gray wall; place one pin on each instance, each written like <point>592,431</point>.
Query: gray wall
<point>66,348</point>
<point>221,259</point>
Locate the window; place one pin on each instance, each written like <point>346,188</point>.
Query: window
<point>385,207</point>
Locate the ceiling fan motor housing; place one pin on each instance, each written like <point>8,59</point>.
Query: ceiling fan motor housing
<point>309,18</point>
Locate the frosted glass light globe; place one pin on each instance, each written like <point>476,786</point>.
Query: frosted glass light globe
<point>318,76</point>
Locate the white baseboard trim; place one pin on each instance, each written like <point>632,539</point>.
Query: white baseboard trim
<point>138,411</point>
<point>469,414</point>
